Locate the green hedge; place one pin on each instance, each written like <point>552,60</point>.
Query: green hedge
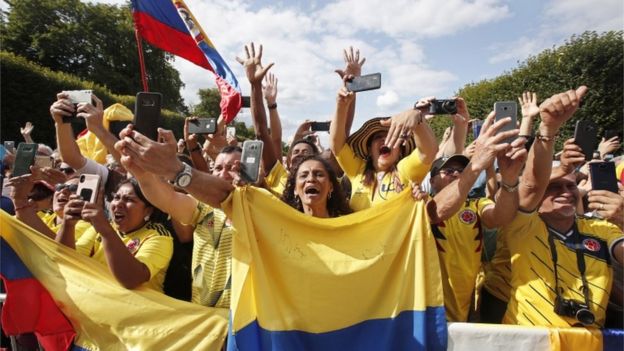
<point>28,90</point>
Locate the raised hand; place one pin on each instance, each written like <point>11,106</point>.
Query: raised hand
<point>572,156</point>
<point>402,126</point>
<point>62,107</point>
<point>528,103</point>
<point>269,89</point>
<point>608,146</point>
<point>27,130</point>
<point>490,142</point>
<point>558,109</point>
<point>353,64</point>
<point>253,64</point>
<point>511,161</point>
<point>93,115</point>
<point>462,117</point>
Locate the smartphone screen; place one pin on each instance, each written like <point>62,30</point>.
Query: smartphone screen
<point>250,160</point>
<point>364,83</point>
<point>24,158</point>
<point>203,126</point>
<point>10,146</point>
<point>231,132</point>
<point>504,109</point>
<point>585,136</point>
<point>88,187</point>
<point>603,176</point>
<point>320,126</point>
<point>147,114</point>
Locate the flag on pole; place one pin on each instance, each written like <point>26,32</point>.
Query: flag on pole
<point>170,25</point>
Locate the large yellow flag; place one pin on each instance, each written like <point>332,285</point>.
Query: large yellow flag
<point>105,315</point>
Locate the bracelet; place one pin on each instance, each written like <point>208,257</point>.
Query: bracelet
<point>272,106</point>
<point>546,138</point>
<point>510,188</point>
<point>196,148</point>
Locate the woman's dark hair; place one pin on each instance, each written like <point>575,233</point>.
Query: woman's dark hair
<point>337,204</point>
<point>315,150</point>
<point>369,170</point>
<point>157,216</point>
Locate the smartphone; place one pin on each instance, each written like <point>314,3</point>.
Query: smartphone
<point>88,187</point>
<point>320,126</point>
<point>115,127</point>
<point>443,107</point>
<point>246,101</point>
<point>10,146</point>
<point>586,137</point>
<point>230,132</point>
<point>202,126</point>
<point>24,158</point>
<point>612,133</point>
<point>603,176</point>
<point>44,161</point>
<point>76,97</point>
<point>504,109</point>
<point>147,114</point>
<point>250,160</point>
<point>476,127</point>
<point>364,83</point>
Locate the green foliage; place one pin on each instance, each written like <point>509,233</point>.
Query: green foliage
<point>208,106</point>
<point>28,90</point>
<point>591,59</point>
<point>93,41</point>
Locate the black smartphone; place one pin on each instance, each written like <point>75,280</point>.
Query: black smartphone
<point>147,114</point>
<point>586,137</point>
<point>364,83</point>
<point>88,187</point>
<point>603,176</point>
<point>202,126</point>
<point>246,102</point>
<point>612,133</point>
<point>504,109</point>
<point>443,107</point>
<point>9,145</point>
<point>320,126</point>
<point>76,97</point>
<point>250,160</point>
<point>24,158</point>
<point>115,127</point>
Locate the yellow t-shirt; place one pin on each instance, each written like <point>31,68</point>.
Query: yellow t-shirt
<point>532,276</point>
<point>410,168</point>
<point>276,179</point>
<point>212,257</point>
<point>152,245</point>
<point>459,240</point>
<point>50,220</point>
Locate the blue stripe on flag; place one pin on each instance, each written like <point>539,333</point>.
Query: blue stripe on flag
<point>11,266</point>
<point>162,10</point>
<point>612,339</point>
<point>410,330</point>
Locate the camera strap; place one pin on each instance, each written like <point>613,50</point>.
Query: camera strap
<point>580,261</point>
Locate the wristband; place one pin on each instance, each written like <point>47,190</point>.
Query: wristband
<point>196,148</point>
<point>510,188</point>
<point>272,106</point>
<point>546,138</point>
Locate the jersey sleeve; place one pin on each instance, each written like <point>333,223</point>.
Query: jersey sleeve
<point>155,252</point>
<point>413,168</point>
<point>349,162</point>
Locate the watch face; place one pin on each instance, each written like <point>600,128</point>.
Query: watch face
<point>184,180</point>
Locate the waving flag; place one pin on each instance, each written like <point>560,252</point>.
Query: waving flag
<point>170,25</point>
<point>366,281</point>
<point>103,314</point>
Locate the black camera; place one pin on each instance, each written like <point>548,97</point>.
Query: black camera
<point>443,107</point>
<point>574,309</point>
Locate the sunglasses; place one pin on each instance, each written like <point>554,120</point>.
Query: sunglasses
<point>71,187</point>
<point>450,170</point>
<point>67,170</point>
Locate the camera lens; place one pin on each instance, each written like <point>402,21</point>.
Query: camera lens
<point>82,178</point>
<point>585,316</point>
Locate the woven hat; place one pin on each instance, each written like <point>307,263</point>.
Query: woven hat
<point>440,162</point>
<point>358,140</point>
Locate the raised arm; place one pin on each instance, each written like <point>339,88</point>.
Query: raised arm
<point>402,126</point>
<point>353,67</point>
<point>337,131</point>
<point>457,142</point>
<point>25,210</point>
<point>530,110</point>
<point>160,159</point>
<point>195,151</point>
<point>69,150</point>
<point>269,90</point>
<point>255,73</point>
<point>27,131</point>
<point>554,112</point>
<point>94,117</point>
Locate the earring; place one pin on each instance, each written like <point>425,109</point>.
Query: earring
<point>297,200</point>
<point>146,218</point>
<point>329,195</point>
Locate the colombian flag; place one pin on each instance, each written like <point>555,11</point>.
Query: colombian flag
<point>170,25</point>
<point>101,313</point>
<point>366,281</point>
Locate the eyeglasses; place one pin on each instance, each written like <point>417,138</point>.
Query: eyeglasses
<point>67,170</point>
<point>71,187</point>
<point>450,170</point>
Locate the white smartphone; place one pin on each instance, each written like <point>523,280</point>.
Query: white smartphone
<point>250,160</point>
<point>88,187</point>
<point>231,132</point>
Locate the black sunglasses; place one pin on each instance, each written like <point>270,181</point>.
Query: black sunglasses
<point>71,187</point>
<point>67,170</point>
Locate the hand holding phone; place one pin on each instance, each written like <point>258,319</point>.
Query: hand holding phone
<point>202,126</point>
<point>504,109</point>
<point>24,158</point>
<point>231,132</point>
<point>250,160</point>
<point>364,83</point>
<point>585,136</point>
<point>603,176</point>
<point>320,126</point>
<point>443,107</point>
<point>147,114</point>
<point>88,187</point>
<point>77,97</point>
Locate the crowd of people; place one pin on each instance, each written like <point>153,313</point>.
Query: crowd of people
<point>521,235</point>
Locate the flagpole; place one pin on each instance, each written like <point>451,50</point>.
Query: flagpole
<point>137,36</point>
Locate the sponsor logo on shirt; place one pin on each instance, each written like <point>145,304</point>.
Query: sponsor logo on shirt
<point>591,245</point>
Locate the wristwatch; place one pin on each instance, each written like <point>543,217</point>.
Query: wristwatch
<point>510,188</point>
<point>183,178</point>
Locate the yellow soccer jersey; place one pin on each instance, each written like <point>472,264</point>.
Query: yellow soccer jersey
<point>277,178</point>
<point>459,240</point>
<point>212,257</point>
<point>532,276</point>
<point>498,271</point>
<point>50,220</point>
<point>410,168</point>
<point>152,245</point>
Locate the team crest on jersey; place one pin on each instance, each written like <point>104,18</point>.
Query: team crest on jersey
<point>468,216</point>
<point>591,245</point>
<point>133,245</point>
